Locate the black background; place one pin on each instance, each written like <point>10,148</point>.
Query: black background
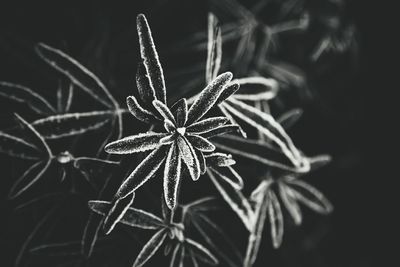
<point>354,127</point>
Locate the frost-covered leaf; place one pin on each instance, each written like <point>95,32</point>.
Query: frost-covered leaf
<point>206,125</point>
<point>256,88</point>
<point>289,118</point>
<point>172,176</point>
<point>221,131</point>
<point>146,91</point>
<point>310,196</point>
<point>17,147</point>
<point>181,112</point>
<point>116,212</point>
<point>201,252</point>
<point>214,48</point>
<point>234,198</point>
<point>138,111</point>
<point>208,97</point>
<point>132,217</point>
<point>70,124</point>
<point>200,143</point>
<point>135,143</point>
<point>24,95</point>
<point>202,161</point>
<point>143,172</point>
<point>230,90</point>
<point>78,74</point>
<point>150,248</point>
<point>217,239</point>
<point>189,157</point>
<point>29,178</point>
<point>219,160</point>
<point>290,203</point>
<point>150,58</point>
<point>230,176</point>
<point>275,219</point>
<point>164,111</point>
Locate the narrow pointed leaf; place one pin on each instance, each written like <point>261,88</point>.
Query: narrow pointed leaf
<point>132,217</point>
<point>181,112</point>
<point>206,125</point>
<point>200,143</point>
<point>230,90</point>
<point>116,212</point>
<point>150,248</point>
<point>221,131</point>
<point>77,73</point>
<point>145,89</point>
<point>65,93</point>
<point>150,58</point>
<point>135,143</point>
<point>208,97</point>
<point>24,95</point>
<point>189,157</point>
<point>143,172</point>
<point>234,198</point>
<point>310,196</point>
<point>164,111</point>
<point>138,111</point>
<point>17,147</point>
<point>289,118</point>
<point>276,219</point>
<point>172,176</point>
<point>319,161</point>
<point>29,178</point>
<point>256,88</point>
<point>201,252</point>
<point>230,176</point>
<point>70,124</point>
<point>214,48</point>
<point>177,256</point>
<point>219,160</point>
<point>290,203</point>
<point>202,161</point>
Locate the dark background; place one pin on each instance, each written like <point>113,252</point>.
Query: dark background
<point>351,125</point>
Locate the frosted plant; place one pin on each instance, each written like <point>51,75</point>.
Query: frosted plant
<point>44,159</point>
<point>165,227</point>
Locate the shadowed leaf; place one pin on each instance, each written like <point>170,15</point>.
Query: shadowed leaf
<point>150,248</point>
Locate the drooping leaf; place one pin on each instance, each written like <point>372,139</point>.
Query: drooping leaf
<point>116,212</point>
<point>135,143</point>
<point>77,73</point>
<point>150,248</point>
<point>70,124</point>
<point>24,95</point>
<point>208,97</point>
<point>201,252</point>
<point>172,176</point>
<point>276,219</point>
<point>234,198</point>
<point>178,255</point>
<point>150,58</point>
<point>132,217</point>
<point>144,171</point>
<point>29,178</point>
<point>17,147</point>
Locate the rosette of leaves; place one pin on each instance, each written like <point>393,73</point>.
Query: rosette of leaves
<point>184,247</point>
<point>34,147</point>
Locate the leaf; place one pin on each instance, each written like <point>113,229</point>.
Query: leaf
<point>206,125</point>
<point>29,178</point>
<point>233,121</point>
<point>200,143</point>
<point>132,217</point>
<point>255,150</point>
<point>201,252</point>
<point>219,160</point>
<point>71,248</point>
<point>24,95</point>
<point>214,48</point>
<point>189,157</point>
<point>230,90</point>
<point>93,167</point>
<point>181,112</point>
<point>135,143</point>
<point>172,176</point>
<point>289,118</point>
<point>17,147</point>
<point>70,124</point>
<point>177,256</point>
<point>116,212</point>
<point>150,248</point>
<point>78,74</point>
<point>143,172</point>
<point>276,219</point>
<point>150,58</point>
<point>145,89</point>
<point>230,176</point>
<point>138,111</point>
<point>164,111</point>
<point>221,131</point>
<point>208,97</point>
<point>65,93</point>
<point>234,198</point>
<point>202,161</point>
<point>35,135</point>
<point>203,204</point>
<point>290,203</point>
<point>259,88</point>
<point>310,196</point>
<point>266,124</point>
<point>217,239</point>
<point>319,161</point>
